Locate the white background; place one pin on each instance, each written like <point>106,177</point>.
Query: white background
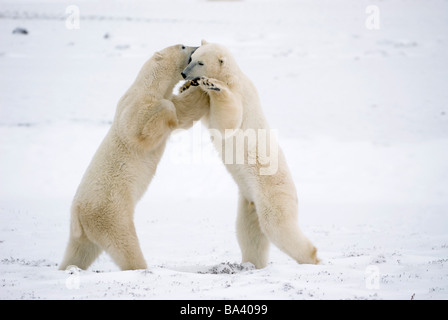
<point>362,117</point>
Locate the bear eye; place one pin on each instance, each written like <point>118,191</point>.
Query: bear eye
<point>183,47</point>
<point>200,63</point>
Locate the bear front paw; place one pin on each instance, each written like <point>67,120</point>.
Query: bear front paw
<point>186,86</point>
<point>205,83</point>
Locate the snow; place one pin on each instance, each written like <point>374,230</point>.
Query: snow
<point>361,114</point>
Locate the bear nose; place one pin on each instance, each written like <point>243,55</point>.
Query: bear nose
<point>183,75</point>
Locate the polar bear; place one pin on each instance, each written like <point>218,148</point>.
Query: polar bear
<point>267,209</point>
<point>125,162</point>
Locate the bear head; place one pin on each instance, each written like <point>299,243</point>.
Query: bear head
<point>211,60</point>
<point>178,56</point>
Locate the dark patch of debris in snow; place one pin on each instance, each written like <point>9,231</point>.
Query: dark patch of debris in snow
<point>229,268</point>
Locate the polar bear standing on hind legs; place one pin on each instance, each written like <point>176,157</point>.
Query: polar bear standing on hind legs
<point>267,209</point>
<point>124,164</point>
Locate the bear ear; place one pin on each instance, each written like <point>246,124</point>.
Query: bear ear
<point>203,42</point>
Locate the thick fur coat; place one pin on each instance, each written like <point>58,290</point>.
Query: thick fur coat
<point>267,209</point>
<point>103,208</point>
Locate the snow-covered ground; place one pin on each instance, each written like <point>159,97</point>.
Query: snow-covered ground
<point>361,113</point>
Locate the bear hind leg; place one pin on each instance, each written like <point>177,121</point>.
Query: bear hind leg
<point>80,252</point>
<point>121,243</point>
<point>283,231</point>
<point>253,242</point>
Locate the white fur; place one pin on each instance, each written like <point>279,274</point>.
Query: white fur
<point>126,161</point>
<point>267,209</point>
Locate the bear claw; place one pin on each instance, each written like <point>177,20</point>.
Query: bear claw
<point>209,85</point>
